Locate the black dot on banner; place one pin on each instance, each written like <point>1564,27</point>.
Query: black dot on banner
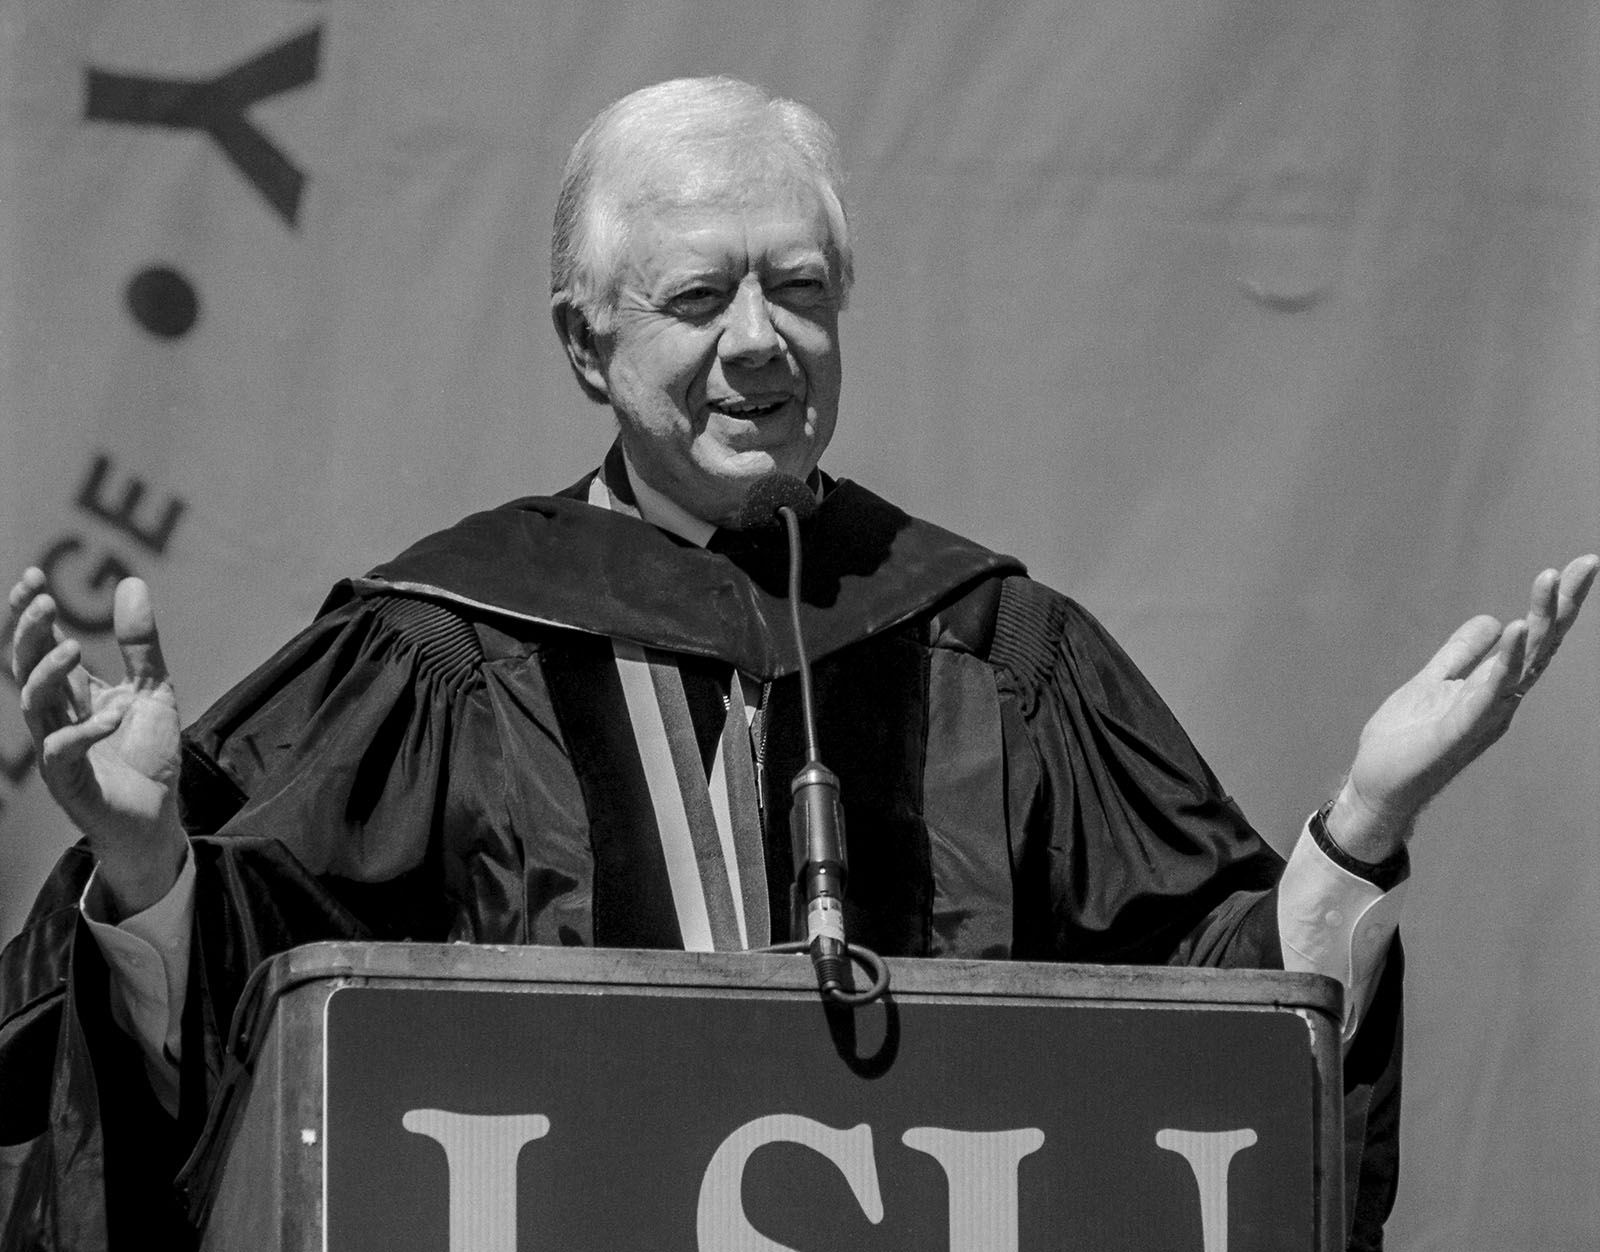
<point>163,301</point>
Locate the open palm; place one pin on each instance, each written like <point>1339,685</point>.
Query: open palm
<point>1462,700</point>
<point>108,752</point>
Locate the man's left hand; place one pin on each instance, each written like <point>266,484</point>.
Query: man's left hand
<point>1440,721</point>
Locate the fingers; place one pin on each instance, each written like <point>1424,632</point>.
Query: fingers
<point>134,624</point>
<point>35,631</point>
<point>1502,673</point>
<point>1463,650</point>
<point>1542,611</point>
<point>1573,588</point>
<point>29,585</point>
<point>64,749</point>
<point>46,695</point>
<point>1553,608</point>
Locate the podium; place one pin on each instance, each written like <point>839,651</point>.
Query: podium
<point>459,1098</point>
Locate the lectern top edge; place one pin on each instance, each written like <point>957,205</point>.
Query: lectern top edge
<point>755,971</point>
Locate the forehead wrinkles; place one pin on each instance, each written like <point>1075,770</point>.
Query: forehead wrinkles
<point>738,181</point>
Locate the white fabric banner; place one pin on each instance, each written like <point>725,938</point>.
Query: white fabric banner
<point>1267,331</point>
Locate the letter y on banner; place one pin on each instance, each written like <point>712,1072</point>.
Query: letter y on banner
<point>219,107</point>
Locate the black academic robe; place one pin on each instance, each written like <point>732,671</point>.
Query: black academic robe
<point>444,754</point>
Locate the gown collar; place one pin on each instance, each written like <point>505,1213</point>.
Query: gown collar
<point>559,561</point>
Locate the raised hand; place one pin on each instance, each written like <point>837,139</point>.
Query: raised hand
<point>108,752</point>
<point>1440,721</point>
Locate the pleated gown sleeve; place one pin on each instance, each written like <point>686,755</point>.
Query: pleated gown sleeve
<point>373,780</point>
<point>1128,850</point>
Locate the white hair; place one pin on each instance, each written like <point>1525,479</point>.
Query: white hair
<point>667,143</point>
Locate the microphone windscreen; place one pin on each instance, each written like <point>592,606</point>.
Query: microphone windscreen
<point>771,493</point>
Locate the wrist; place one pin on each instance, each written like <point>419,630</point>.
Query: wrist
<point>1363,832</point>
<point>131,880</point>
<point>1386,875</point>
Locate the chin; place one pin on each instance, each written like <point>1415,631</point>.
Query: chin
<point>744,468</point>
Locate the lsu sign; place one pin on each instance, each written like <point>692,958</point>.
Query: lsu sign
<point>518,1116</point>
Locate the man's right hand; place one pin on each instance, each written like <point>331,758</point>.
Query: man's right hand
<point>108,752</point>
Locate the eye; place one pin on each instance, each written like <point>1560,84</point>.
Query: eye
<point>802,289</point>
<point>694,302</point>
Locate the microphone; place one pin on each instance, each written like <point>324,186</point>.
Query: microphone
<point>770,493</point>
<point>816,817</point>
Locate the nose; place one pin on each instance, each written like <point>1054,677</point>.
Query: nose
<point>748,335</point>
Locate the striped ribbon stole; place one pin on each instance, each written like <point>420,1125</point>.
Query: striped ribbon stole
<point>709,822</point>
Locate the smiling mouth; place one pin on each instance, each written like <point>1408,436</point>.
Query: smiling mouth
<point>749,410</point>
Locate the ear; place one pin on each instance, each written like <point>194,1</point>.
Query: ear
<point>583,350</point>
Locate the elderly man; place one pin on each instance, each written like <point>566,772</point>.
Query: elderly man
<point>572,719</point>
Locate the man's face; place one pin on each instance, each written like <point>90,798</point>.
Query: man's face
<point>722,361</point>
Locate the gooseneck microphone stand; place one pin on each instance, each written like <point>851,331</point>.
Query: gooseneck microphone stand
<point>816,817</point>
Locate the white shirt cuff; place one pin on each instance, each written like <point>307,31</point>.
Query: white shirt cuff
<point>1334,922</point>
<point>148,955</point>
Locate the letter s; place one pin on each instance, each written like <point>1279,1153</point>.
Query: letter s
<point>720,1221</point>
